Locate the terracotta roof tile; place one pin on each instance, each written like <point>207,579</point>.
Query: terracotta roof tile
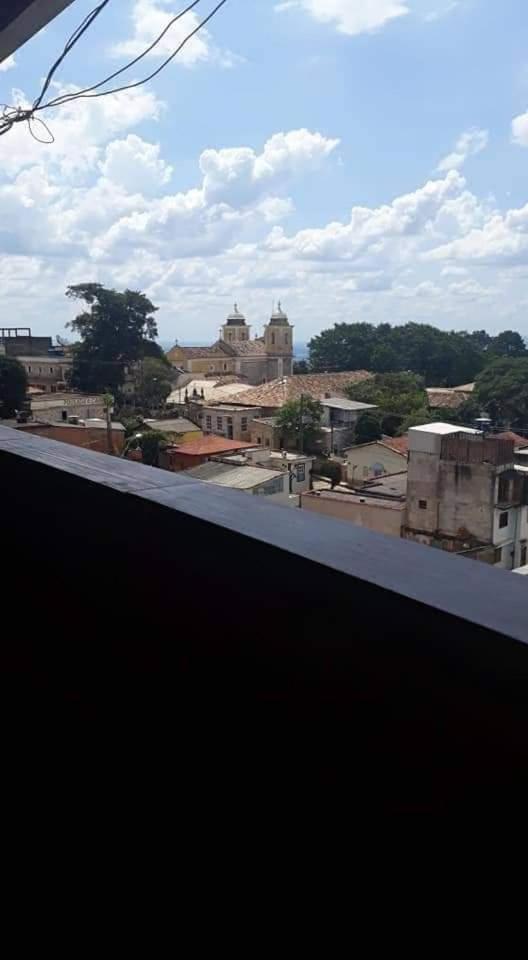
<point>316,385</point>
<point>445,398</point>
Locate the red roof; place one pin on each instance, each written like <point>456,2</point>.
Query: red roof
<point>509,435</point>
<point>207,446</point>
<point>399,444</point>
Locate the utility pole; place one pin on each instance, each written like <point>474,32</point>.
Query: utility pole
<point>109,403</point>
<point>301,424</point>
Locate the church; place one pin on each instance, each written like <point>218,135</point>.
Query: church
<point>236,354</point>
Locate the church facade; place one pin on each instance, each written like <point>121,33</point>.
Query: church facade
<point>236,354</point>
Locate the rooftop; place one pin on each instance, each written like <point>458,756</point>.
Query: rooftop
<point>355,498</point>
<point>208,446</point>
<point>388,485</point>
<point>517,439</point>
<point>177,425</point>
<point>318,386</point>
<point>229,407</point>
<point>442,429</point>
<point>445,398</point>
<point>235,476</point>
<point>342,403</point>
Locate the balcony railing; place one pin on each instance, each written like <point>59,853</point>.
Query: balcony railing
<point>242,643</point>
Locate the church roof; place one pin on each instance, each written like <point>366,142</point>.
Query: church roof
<point>236,319</point>
<point>278,317</point>
<point>198,353</point>
<point>248,348</point>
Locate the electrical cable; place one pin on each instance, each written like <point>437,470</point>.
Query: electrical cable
<point>67,98</point>
<point>58,100</point>
<point>11,115</point>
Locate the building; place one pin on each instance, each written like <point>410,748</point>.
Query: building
<point>258,360</point>
<point>465,495</point>
<point>375,513</point>
<point>90,434</point>
<point>339,421</point>
<point>270,397</point>
<point>178,429</point>
<point>449,398</point>
<point>264,431</point>
<point>298,466</point>
<point>188,455</point>
<point>60,407</point>
<point>19,342</point>
<point>257,481</point>
<point>227,420</point>
<point>47,373</point>
<point>367,460</point>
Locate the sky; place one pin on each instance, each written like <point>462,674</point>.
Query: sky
<point>360,160</point>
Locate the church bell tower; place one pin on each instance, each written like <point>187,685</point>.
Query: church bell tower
<point>278,338</point>
<point>235,329</point>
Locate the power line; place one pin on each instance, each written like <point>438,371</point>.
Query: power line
<point>67,98</point>
<point>11,115</point>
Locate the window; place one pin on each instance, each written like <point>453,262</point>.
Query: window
<point>230,421</point>
<point>29,369</point>
<point>211,366</point>
<point>286,339</point>
<point>243,425</point>
<point>64,414</point>
<point>40,369</point>
<point>503,520</point>
<point>497,555</point>
<point>219,423</point>
<point>523,555</point>
<point>51,369</point>
<point>301,472</point>
<point>273,338</point>
<point>225,366</point>
<point>208,423</point>
<point>267,443</point>
<point>378,469</point>
<point>422,504</point>
<point>259,440</point>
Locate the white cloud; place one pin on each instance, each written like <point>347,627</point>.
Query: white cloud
<point>350,16</point>
<point>150,17</point>
<point>7,64</point>
<point>520,129</point>
<point>437,253</point>
<point>468,144</point>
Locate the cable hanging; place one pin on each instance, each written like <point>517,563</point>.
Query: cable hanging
<point>11,115</point>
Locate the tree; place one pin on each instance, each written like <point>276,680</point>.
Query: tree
<point>502,390</point>
<point>151,442</point>
<point>301,366</point>
<point>300,422</point>
<point>13,386</point>
<point>368,427</point>
<point>117,330</point>
<point>155,383</point>
<point>415,419</point>
<point>507,344</point>
<point>392,393</point>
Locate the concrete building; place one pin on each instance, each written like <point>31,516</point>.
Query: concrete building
<point>297,466</point>
<point>227,420</point>
<point>263,431</point>
<point>465,495</point>
<point>375,513</point>
<point>367,460</point>
<point>48,373</point>
<point>60,407</point>
<point>256,481</point>
<point>19,342</point>
<point>178,429</point>
<point>339,421</point>
<point>258,360</point>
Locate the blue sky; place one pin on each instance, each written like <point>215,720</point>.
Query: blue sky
<point>358,159</point>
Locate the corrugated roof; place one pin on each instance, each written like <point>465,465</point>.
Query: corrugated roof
<point>342,403</point>
<point>237,477</point>
<point>318,386</point>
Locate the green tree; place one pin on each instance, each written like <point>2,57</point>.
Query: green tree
<point>368,427</point>
<point>507,344</point>
<point>155,383</point>
<point>300,423</point>
<point>117,330</point>
<point>392,393</point>
<point>301,366</point>
<point>13,386</point>
<point>415,419</point>
<point>502,390</point>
